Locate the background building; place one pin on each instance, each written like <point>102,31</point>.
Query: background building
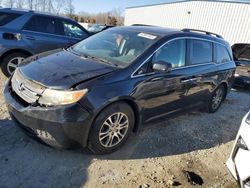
<point>229,19</point>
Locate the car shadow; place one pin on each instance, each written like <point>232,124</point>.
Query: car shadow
<point>27,163</point>
<point>187,131</point>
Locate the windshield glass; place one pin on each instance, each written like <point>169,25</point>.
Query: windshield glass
<point>119,47</point>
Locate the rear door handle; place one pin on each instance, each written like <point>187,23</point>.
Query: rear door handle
<point>189,79</point>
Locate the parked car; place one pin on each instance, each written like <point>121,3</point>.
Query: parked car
<point>241,54</point>
<point>239,163</point>
<point>96,28</point>
<point>24,33</point>
<point>97,92</point>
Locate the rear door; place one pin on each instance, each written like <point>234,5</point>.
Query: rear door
<point>202,71</point>
<point>42,33</point>
<point>225,64</point>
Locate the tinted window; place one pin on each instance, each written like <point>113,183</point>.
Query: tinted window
<point>201,52</point>
<point>73,30</point>
<point>222,54</point>
<point>42,24</point>
<point>173,52</point>
<point>7,17</point>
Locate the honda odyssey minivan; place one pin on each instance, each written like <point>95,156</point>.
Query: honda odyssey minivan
<point>95,93</point>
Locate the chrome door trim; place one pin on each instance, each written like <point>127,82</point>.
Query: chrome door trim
<point>177,38</point>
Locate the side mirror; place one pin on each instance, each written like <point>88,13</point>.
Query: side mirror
<point>162,66</point>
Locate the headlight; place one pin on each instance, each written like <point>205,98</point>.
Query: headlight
<point>236,75</point>
<point>57,97</point>
<point>241,144</point>
<point>248,119</point>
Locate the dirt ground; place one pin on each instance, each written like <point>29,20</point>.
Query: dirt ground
<point>154,157</point>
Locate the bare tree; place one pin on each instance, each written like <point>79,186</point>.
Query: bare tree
<point>30,4</point>
<point>70,9</point>
<point>118,13</point>
<point>19,3</point>
<point>58,5</point>
<point>10,3</point>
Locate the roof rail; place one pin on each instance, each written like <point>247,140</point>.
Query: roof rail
<point>201,31</point>
<point>17,9</point>
<point>143,25</point>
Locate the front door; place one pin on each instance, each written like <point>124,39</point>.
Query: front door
<point>161,93</point>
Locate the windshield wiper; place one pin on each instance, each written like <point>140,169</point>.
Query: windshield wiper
<point>73,51</point>
<point>91,57</point>
<point>101,59</point>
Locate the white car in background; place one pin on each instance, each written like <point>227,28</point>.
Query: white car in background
<point>239,161</point>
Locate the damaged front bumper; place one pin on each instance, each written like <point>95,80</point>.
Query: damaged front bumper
<point>239,161</point>
<point>59,126</point>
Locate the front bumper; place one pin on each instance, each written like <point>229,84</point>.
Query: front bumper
<point>239,161</point>
<point>61,127</point>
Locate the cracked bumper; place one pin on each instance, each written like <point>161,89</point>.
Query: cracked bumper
<point>61,127</point>
<point>239,161</point>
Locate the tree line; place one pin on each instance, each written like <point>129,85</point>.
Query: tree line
<point>66,8</point>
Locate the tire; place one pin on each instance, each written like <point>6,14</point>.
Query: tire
<point>103,136</point>
<point>216,99</point>
<point>16,58</point>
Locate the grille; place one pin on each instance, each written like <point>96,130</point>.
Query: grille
<point>26,89</point>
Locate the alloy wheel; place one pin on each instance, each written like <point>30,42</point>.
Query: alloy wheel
<point>217,98</point>
<point>114,129</point>
<point>13,63</point>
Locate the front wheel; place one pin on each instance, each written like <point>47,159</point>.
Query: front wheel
<point>11,61</point>
<point>216,99</point>
<point>111,128</point>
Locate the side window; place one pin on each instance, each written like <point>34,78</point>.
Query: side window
<point>44,24</point>
<point>173,52</point>
<point>222,54</point>
<point>144,69</point>
<point>201,52</point>
<point>71,29</point>
<point>7,17</point>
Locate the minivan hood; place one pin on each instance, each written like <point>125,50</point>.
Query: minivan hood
<point>62,69</point>
<point>241,52</point>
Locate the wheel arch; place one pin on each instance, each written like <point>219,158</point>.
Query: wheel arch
<point>225,85</point>
<point>129,101</point>
<point>5,54</point>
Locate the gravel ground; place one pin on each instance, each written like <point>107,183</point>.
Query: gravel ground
<point>154,157</point>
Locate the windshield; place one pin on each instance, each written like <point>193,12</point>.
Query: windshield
<point>119,47</point>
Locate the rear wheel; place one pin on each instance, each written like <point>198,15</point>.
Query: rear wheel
<point>11,61</point>
<point>216,99</point>
<point>111,128</point>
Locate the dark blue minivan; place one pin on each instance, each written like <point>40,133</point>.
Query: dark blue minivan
<point>24,33</point>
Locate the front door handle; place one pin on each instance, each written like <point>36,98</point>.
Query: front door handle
<point>30,37</point>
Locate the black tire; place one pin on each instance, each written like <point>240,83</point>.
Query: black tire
<point>94,141</point>
<point>217,96</point>
<point>6,61</point>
